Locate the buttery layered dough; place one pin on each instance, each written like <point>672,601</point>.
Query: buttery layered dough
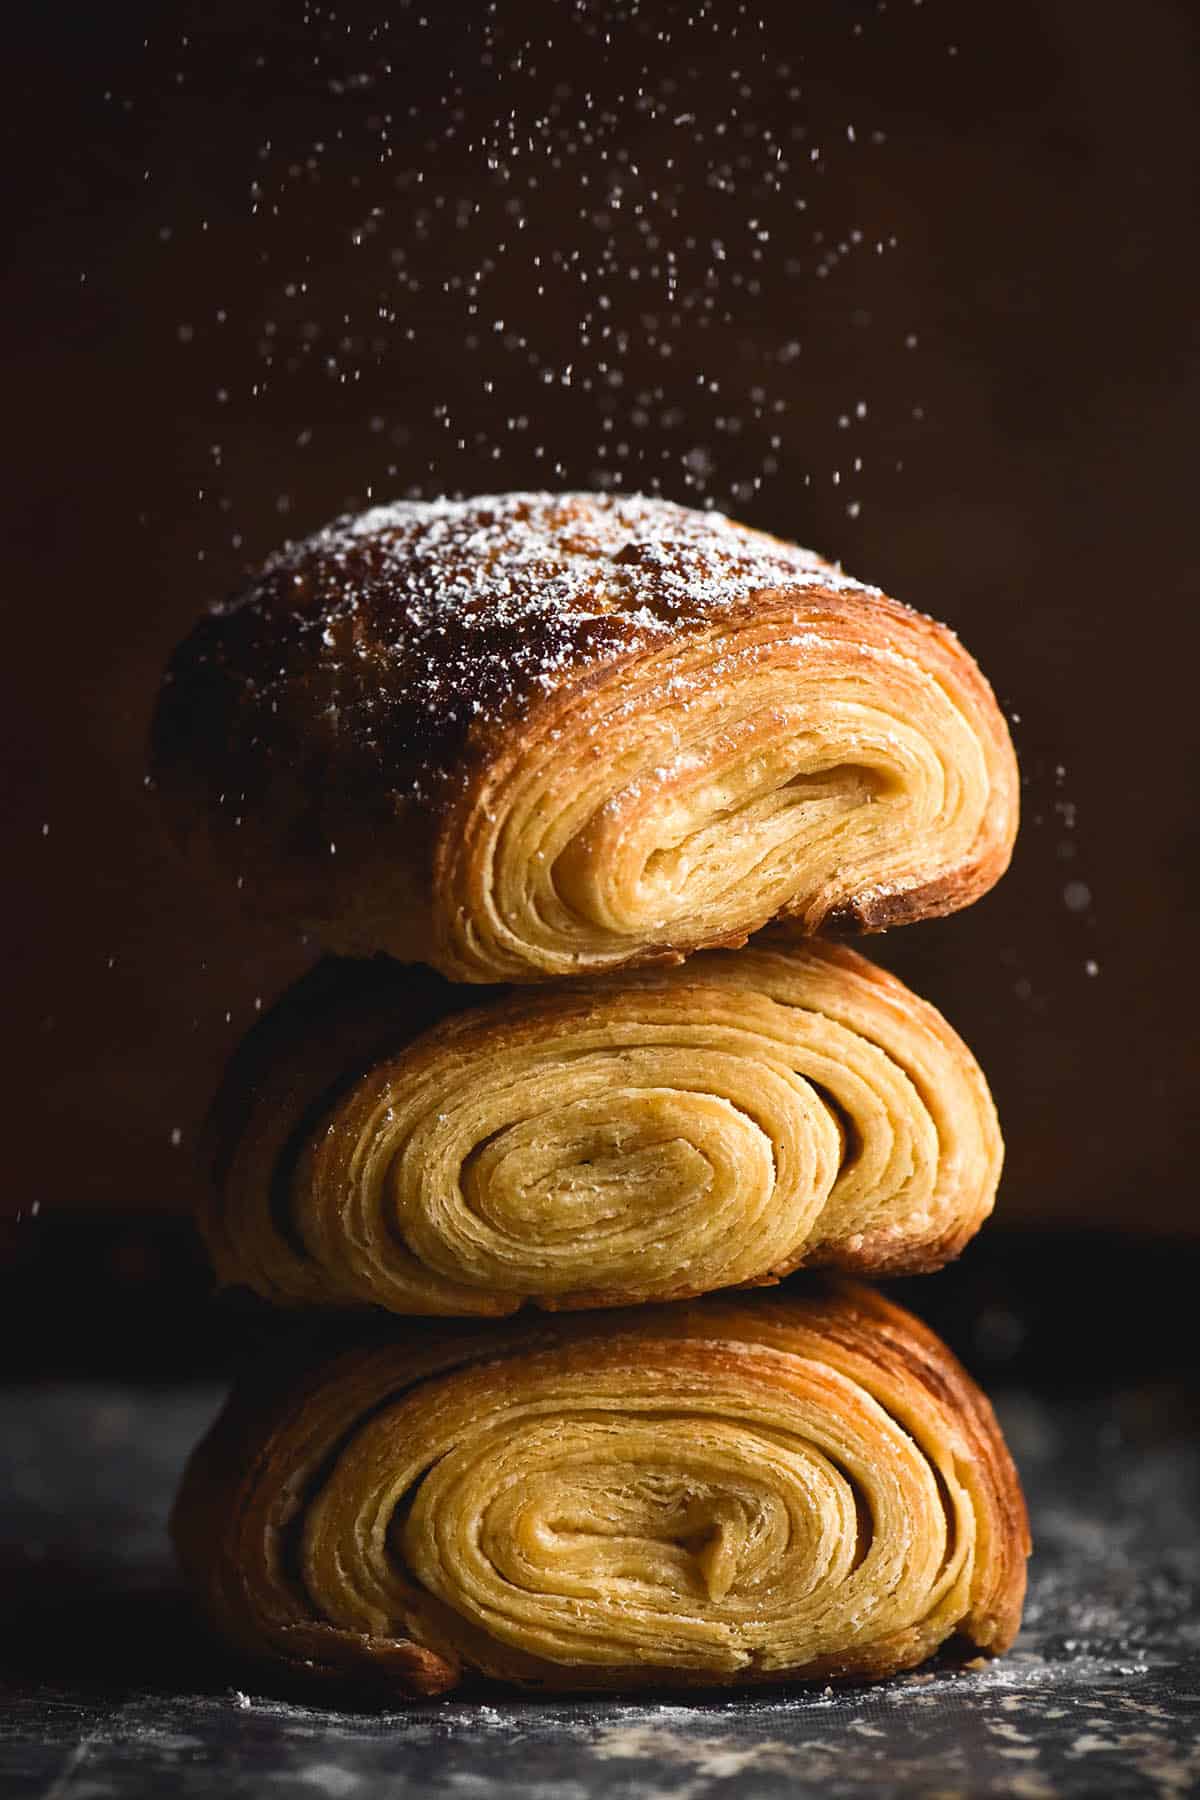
<point>647,1138</point>
<point>534,735</point>
<point>721,1492</point>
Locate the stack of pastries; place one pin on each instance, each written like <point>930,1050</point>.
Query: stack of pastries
<point>534,768</point>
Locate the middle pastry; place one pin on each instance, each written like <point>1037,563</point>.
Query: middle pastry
<point>642,1138</point>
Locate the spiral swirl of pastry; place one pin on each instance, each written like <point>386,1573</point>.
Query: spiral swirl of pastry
<point>535,735</point>
<point>644,1139</point>
<point>724,1492</point>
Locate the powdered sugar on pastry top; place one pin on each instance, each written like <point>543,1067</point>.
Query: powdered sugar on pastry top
<point>587,554</point>
<point>414,620</point>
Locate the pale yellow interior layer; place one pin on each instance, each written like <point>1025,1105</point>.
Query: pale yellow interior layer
<point>666,1512</point>
<point>707,792</point>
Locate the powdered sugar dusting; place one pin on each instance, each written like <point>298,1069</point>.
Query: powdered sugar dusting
<point>421,617</point>
<point>585,554</point>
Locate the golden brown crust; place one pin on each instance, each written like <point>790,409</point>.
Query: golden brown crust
<point>645,1138</point>
<point>799,1485</point>
<point>528,736</point>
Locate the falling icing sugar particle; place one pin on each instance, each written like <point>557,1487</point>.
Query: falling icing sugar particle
<point>1091,966</point>
<point>1078,896</point>
<point>176,1137</point>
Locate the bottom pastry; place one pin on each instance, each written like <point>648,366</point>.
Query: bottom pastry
<point>801,1484</point>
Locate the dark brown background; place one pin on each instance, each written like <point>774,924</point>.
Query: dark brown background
<point>1038,170</point>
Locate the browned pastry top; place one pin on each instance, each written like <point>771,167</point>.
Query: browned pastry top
<point>421,619</point>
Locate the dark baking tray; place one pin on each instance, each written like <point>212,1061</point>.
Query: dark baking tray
<point>113,1689</point>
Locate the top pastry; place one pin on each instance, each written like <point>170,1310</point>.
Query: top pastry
<point>533,735</point>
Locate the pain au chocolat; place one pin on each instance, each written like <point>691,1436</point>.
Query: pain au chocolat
<point>785,1486</point>
<point>532,735</point>
<point>648,1136</point>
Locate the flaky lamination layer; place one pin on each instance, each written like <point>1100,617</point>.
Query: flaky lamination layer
<point>678,1131</point>
<point>789,1486</point>
<point>819,759</point>
<point>529,736</point>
